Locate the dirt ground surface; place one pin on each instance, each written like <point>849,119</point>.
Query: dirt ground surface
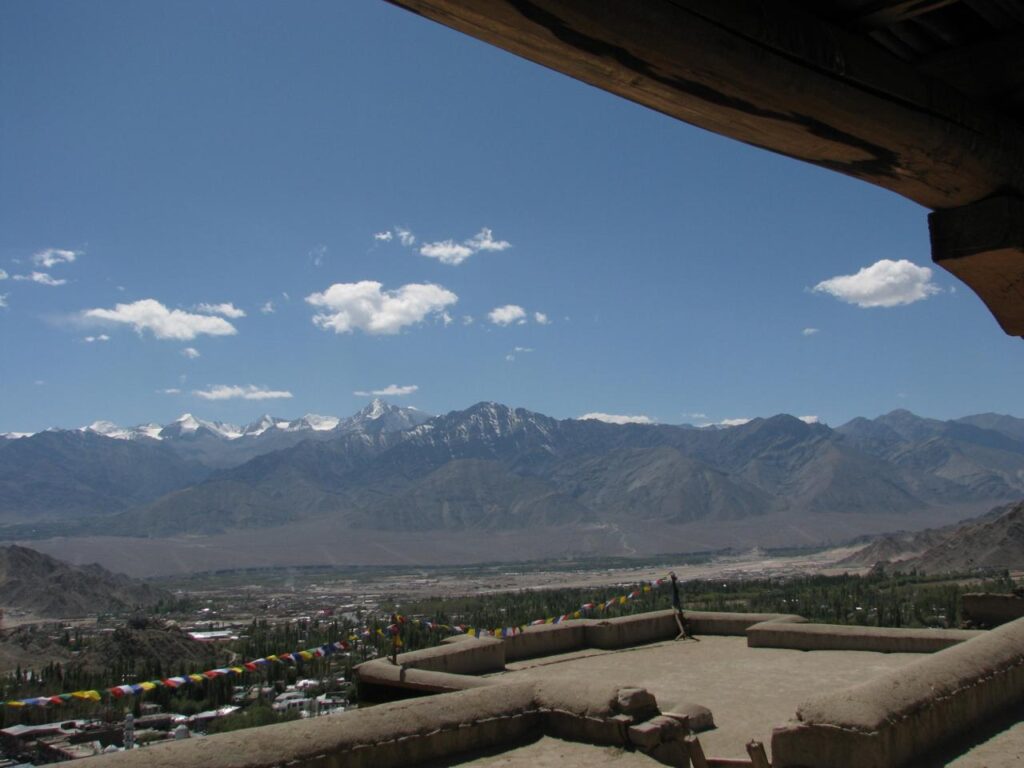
<point>748,690</point>
<point>322,542</point>
<point>549,752</point>
<point>999,746</point>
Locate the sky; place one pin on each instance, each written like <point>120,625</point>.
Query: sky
<point>236,208</point>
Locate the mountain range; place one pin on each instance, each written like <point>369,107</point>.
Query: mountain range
<point>491,469</point>
<point>993,541</point>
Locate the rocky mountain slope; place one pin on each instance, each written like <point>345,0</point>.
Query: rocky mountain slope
<point>986,544</point>
<point>45,587</point>
<point>494,468</point>
<point>990,542</point>
<point>61,475</point>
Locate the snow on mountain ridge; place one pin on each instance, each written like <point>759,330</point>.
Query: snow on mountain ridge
<point>320,423</point>
<point>377,415</point>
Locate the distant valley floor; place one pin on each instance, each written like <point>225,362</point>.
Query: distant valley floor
<point>324,542</point>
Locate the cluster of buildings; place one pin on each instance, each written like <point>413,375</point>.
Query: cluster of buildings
<point>28,745</point>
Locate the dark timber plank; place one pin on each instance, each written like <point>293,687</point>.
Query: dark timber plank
<point>762,73</point>
<point>892,11</point>
<point>983,245</point>
<point>990,71</point>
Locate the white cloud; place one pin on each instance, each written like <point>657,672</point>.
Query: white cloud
<point>190,352</point>
<point>40,277</point>
<point>3,275</point>
<point>733,422</point>
<point>391,390</point>
<point>517,351</point>
<point>484,241</point>
<point>316,255</point>
<point>101,337</point>
<point>467,319</point>
<point>885,283</point>
<point>508,314</point>
<point>227,309</point>
<point>346,307</point>
<point>809,419</point>
<point>615,418</point>
<point>3,300</point>
<point>53,256</point>
<point>541,319</point>
<point>164,323</point>
<point>169,391</point>
<point>225,392</point>
<point>450,252</point>
<point>809,331</point>
<point>446,319</point>
<point>384,237</point>
<point>267,308</point>
<point>447,252</point>
<point>405,237</point>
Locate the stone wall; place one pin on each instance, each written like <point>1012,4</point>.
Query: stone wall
<point>407,733</point>
<point>895,718</point>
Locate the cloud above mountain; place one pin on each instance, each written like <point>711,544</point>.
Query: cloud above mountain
<point>616,418</point>
<point>43,278</point>
<point>235,392</point>
<point>50,257</point>
<point>391,390</point>
<point>507,315</point>
<point>365,306</point>
<point>150,315</point>
<point>453,253</point>
<point>886,283</point>
<point>227,309</point>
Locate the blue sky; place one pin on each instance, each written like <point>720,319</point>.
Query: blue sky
<point>160,160</point>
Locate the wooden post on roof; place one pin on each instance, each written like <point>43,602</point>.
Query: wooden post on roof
<point>758,757</point>
<point>696,752</point>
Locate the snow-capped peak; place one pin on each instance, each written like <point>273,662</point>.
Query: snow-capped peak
<point>319,423</point>
<point>375,409</point>
<point>108,428</point>
<point>112,430</point>
<point>187,424</point>
<point>381,416</point>
<point>264,423</point>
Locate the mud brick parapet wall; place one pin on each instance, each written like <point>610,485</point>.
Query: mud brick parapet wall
<point>963,680</point>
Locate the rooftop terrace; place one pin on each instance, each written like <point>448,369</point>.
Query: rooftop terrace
<point>621,692</point>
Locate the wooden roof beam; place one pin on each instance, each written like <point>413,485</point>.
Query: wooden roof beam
<point>888,12</point>
<point>767,75</point>
<point>771,76</point>
<point>983,245</point>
